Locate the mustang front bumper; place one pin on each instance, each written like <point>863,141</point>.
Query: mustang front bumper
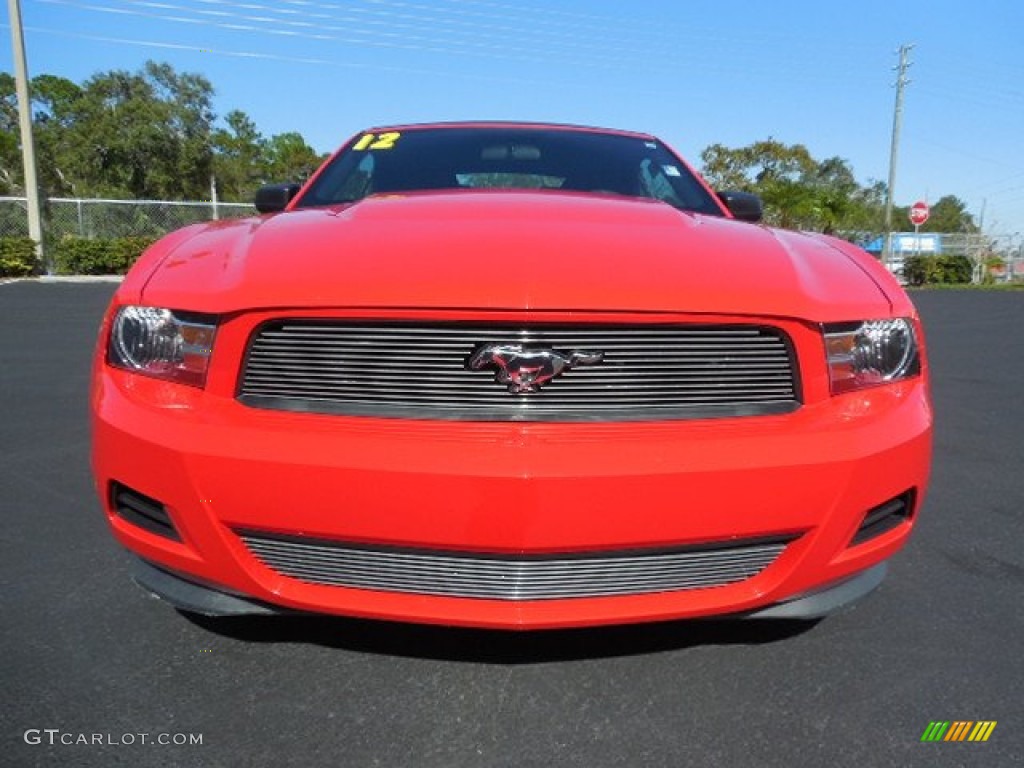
<point>456,522</point>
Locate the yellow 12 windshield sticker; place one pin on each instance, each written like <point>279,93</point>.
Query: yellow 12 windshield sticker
<point>376,141</point>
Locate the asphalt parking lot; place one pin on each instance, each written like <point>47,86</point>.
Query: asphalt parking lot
<point>85,652</point>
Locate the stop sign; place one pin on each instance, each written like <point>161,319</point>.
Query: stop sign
<point>919,213</point>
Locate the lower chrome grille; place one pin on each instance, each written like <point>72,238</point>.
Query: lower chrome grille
<point>512,578</point>
<point>406,370</point>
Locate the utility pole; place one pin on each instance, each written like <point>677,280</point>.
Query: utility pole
<point>28,153</point>
<point>897,123</point>
<point>213,197</point>
<point>1010,256</point>
<point>978,275</point>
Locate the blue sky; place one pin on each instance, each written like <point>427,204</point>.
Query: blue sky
<point>694,73</point>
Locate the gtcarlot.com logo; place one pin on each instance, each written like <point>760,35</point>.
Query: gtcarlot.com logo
<point>958,730</point>
<point>57,737</point>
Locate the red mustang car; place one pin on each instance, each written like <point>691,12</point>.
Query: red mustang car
<point>509,375</point>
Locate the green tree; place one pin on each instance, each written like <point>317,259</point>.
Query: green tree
<point>290,158</point>
<point>948,214</point>
<point>55,102</point>
<point>726,168</point>
<point>798,191</point>
<point>141,135</point>
<point>239,163</point>
<point>10,156</point>
<point>151,133</point>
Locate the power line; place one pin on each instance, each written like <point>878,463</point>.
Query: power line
<point>316,61</point>
<point>569,39</point>
<point>397,41</point>
<point>575,22</point>
<point>973,155</point>
<point>261,55</point>
<point>580,55</point>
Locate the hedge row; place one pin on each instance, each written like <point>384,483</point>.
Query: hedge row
<point>73,255</point>
<point>81,256</point>
<point>937,270</point>
<point>17,256</point>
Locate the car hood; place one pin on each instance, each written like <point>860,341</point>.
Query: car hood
<point>542,251</point>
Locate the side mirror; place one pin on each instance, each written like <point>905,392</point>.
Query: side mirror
<point>275,197</point>
<point>743,205</point>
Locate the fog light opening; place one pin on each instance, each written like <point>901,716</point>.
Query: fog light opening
<point>142,511</point>
<point>885,517</point>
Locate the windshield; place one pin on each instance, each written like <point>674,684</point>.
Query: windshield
<point>508,158</point>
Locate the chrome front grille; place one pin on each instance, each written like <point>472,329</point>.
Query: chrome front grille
<point>420,371</point>
<point>512,578</point>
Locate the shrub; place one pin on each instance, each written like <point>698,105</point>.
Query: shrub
<point>113,256</point>
<point>937,270</point>
<point>17,256</point>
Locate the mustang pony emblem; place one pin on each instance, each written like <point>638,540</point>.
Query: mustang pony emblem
<point>524,370</point>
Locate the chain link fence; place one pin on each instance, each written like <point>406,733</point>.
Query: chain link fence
<point>975,247</point>
<point>90,218</point>
<point>97,218</point>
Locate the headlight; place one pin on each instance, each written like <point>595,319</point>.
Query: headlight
<point>865,354</point>
<point>159,342</point>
